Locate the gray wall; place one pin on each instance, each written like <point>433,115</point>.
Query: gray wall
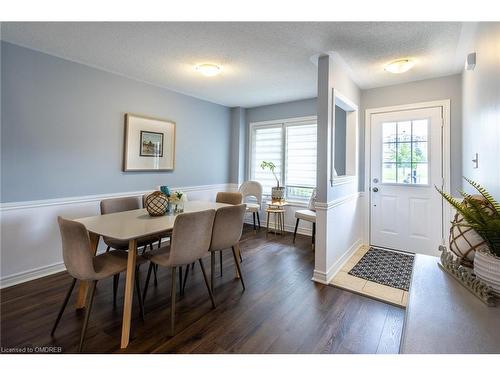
<point>449,87</point>
<point>481,110</point>
<point>298,108</point>
<point>62,130</point>
<point>340,140</point>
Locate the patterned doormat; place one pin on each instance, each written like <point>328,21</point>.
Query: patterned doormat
<point>385,267</point>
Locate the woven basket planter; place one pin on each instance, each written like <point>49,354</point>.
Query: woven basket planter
<point>487,268</point>
<point>465,241</point>
<point>156,203</point>
<point>278,194</point>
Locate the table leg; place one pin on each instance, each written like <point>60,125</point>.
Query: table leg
<point>129,293</point>
<point>84,285</point>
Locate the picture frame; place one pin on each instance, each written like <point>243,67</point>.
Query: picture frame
<point>149,144</point>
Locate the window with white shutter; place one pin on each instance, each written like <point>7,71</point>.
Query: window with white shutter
<point>291,146</point>
<point>266,146</point>
<point>300,160</point>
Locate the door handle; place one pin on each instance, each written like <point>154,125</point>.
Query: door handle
<point>375,189</point>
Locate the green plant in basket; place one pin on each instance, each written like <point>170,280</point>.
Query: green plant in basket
<point>271,166</point>
<point>481,215</point>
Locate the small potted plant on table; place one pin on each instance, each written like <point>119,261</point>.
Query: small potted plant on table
<point>277,192</point>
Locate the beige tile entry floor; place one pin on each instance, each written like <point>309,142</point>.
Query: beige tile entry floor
<point>367,288</point>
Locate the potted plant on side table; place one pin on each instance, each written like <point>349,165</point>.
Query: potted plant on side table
<point>482,213</point>
<point>277,192</point>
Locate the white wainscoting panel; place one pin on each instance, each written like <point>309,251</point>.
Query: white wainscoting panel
<point>342,236</point>
<point>30,239</point>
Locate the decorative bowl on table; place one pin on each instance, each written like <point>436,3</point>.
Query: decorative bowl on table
<point>156,203</point>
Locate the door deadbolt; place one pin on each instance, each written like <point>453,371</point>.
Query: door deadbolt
<point>375,189</point>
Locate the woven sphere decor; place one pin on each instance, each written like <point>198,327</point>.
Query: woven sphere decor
<point>465,241</point>
<point>156,203</point>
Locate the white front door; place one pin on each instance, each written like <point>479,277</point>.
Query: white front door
<point>406,163</point>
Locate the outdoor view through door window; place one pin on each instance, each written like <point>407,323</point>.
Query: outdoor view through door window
<point>405,152</point>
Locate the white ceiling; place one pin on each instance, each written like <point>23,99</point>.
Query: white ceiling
<point>263,63</point>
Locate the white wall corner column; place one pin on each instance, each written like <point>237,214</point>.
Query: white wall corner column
<point>326,117</point>
<point>339,208</point>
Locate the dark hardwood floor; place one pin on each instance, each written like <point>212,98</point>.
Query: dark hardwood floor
<point>281,311</point>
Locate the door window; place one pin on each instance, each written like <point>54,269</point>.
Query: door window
<point>405,152</point>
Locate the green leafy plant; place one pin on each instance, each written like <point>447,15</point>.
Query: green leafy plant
<point>483,215</point>
<point>271,166</point>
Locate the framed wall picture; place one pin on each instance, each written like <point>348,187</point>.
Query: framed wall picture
<point>149,144</point>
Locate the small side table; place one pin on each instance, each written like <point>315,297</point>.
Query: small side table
<point>278,210</point>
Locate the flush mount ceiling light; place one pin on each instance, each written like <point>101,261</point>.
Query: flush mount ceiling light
<point>208,70</point>
<point>399,66</point>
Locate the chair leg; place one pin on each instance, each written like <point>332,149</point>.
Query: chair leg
<point>116,281</point>
<point>241,258</point>
<point>210,293</point>
<point>148,277</point>
<point>108,248</point>
<point>258,219</point>
<point>173,291</point>
<point>185,279</point>
<point>238,267</point>
<point>155,269</point>
<point>212,270</point>
<point>138,291</point>
<point>63,307</point>
<point>220,261</point>
<point>87,314</point>
<point>295,231</point>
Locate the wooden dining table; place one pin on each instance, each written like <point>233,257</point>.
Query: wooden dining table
<point>130,226</point>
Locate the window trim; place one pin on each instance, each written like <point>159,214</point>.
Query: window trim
<point>292,121</point>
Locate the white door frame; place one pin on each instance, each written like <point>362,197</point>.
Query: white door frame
<point>445,105</point>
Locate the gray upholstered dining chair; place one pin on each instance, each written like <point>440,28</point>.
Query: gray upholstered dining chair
<point>226,234</point>
<point>307,215</point>
<point>190,242</point>
<point>113,205</point>
<point>82,265</point>
<point>229,198</point>
<point>252,189</point>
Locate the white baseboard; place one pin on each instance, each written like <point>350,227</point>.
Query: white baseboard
<point>36,273</point>
<point>326,278</point>
<point>30,242</point>
<point>288,228</point>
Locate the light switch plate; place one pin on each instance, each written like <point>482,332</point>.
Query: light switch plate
<point>475,161</point>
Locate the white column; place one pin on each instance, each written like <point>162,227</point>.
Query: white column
<point>326,117</point>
